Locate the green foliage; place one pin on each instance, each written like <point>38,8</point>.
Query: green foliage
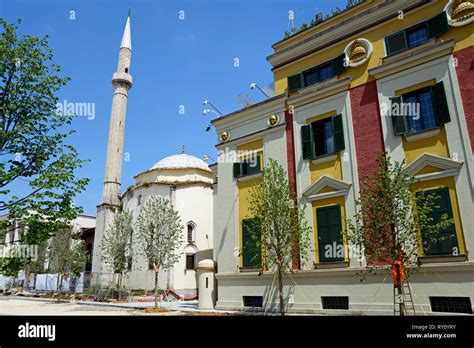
<point>389,216</point>
<point>66,254</point>
<point>282,222</point>
<point>284,231</point>
<point>33,151</point>
<point>313,22</point>
<point>10,266</point>
<point>117,244</point>
<point>159,232</point>
<point>159,235</point>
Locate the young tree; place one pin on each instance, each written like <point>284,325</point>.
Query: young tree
<point>66,255</point>
<point>390,217</point>
<point>34,158</point>
<point>36,232</point>
<point>117,245</point>
<point>160,233</point>
<point>282,228</point>
<point>10,266</point>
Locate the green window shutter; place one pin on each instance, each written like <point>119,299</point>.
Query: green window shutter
<point>399,123</point>
<point>438,25</point>
<point>237,170</point>
<point>338,133</point>
<point>251,256</point>
<point>396,42</point>
<point>254,166</point>
<point>440,104</point>
<point>339,64</point>
<point>330,241</point>
<point>295,82</point>
<point>446,240</point>
<point>307,141</point>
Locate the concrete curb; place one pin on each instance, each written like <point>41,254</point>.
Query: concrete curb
<point>124,305</point>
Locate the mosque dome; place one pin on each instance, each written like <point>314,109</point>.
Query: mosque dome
<point>182,161</point>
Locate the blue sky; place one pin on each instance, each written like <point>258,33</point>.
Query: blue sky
<point>174,63</point>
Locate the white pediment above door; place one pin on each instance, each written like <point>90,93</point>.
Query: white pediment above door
<point>326,187</point>
<point>429,167</point>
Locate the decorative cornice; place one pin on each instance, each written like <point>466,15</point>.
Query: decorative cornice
<point>249,110</point>
<point>319,91</point>
<point>422,135</point>
<point>250,177</point>
<point>447,166</point>
<point>343,30</point>
<point>412,57</point>
<point>467,266</point>
<point>252,136</point>
<point>312,192</point>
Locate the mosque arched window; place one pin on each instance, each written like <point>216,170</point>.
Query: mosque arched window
<point>190,235</point>
<point>139,200</point>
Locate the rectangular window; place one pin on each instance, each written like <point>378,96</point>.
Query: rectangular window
<point>319,74</point>
<point>420,110</point>
<point>190,261</point>
<point>445,243</point>
<point>421,115</point>
<point>251,254</point>
<point>417,35</point>
<point>248,167</point>
<point>451,304</point>
<point>335,302</point>
<point>322,137</point>
<point>330,241</point>
<point>253,301</point>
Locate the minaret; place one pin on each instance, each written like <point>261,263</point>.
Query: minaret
<point>121,82</point>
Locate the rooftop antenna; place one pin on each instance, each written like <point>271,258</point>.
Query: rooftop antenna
<point>183,150</point>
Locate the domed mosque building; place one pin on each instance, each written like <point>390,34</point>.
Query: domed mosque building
<point>187,182</point>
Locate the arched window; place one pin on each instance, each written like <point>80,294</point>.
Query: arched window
<point>190,251</point>
<point>191,236</point>
<point>139,200</point>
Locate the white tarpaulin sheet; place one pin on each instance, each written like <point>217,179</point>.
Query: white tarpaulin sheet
<point>48,282</point>
<point>5,282</point>
<point>80,283</point>
<point>40,282</point>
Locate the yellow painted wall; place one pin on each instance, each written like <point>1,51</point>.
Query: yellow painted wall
<point>244,188</point>
<point>463,36</point>
<point>436,145</point>
<point>324,203</point>
<point>252,146</point>
<point>332,168</point>
<point>449,183</point>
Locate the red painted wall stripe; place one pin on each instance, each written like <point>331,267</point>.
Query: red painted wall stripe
<point>367,125</point>
<point>290,156</point>
<point>465,72</point>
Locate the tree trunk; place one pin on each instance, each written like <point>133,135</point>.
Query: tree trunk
<point>59,285</point>
<point>280,290</point>
<point>120,286</point>
<point>27,275</point>
<point>156,287</point>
